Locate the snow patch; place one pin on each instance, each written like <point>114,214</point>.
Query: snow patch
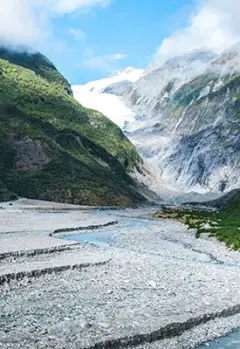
<point>91,95</point>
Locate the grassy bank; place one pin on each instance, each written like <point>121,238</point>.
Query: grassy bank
<point>223,224</point>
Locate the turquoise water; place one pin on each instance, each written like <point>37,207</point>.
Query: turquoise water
<point>101,239</point>
<point>229,342</point>
<point>108,238</point>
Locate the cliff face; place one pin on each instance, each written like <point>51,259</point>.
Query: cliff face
<point>188,120</point>
<point>53,148</point>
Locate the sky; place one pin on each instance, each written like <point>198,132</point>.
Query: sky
<point>90,39</point>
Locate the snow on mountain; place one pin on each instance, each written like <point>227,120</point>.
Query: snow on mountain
<point>229,59</point>
<point>105,95</point>
<point>100,95</point>
<point>161,79</point>
<point>182,115</point>
<point>128,74</point>
<point>197,60</point>
<point>187,119</point>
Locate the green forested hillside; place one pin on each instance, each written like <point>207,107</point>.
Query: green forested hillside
<point>51,147</point>
<point>37,63</point>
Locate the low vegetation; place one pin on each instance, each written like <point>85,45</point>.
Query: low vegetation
<point>53,148</point>
<point>5,194</point>
<point>224,223</point>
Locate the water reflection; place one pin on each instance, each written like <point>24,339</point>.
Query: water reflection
<point>100,238</point>
<point>229,342</point>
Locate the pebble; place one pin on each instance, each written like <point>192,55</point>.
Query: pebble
<point>155,279</point>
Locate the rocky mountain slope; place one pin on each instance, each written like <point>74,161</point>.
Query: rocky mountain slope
<point>53,148</point>
<point>182,115</point>
<point>231,199</point>
<point>187,119</point>
<point>161,79</point>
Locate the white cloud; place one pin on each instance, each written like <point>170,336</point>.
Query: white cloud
<point>68,6</point>
<point>105,63</point>
<point>119,56</point>
<point>29,21</point>
<point>213,25</point>
<point>78,34</point>
<point>17,22</point>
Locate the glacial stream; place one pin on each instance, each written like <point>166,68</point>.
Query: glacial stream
<point>231,341</point>
<point>108,238</point>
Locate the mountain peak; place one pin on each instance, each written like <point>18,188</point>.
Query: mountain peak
<point>201,55</point>
<point>30,59</point>
<point>129,73</point>
<point>229,58</point>
<point>233,48</point>
<point>126,70</point>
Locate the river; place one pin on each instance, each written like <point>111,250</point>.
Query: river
<point>231,341</point>
<point>117,236</point>
<point>142,281</point>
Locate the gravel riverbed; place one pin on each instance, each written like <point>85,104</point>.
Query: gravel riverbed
<point>155,281</point>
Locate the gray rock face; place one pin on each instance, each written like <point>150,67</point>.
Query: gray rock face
<point>150,93</point>
<point>31,156</point>
<point>118,88</point>
<point>188,120</point>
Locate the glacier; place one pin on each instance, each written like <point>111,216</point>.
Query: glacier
<point>93,95</point>
<point>182,114</point>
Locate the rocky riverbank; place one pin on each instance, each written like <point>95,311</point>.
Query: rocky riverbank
<point>157,286</point>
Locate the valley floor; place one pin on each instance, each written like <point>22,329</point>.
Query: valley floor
<point>139,281</point>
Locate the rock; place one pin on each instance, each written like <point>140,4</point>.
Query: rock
<point>152,284</point>
<point>187,120</point>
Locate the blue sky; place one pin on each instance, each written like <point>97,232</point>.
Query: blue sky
<point>89,39</point>
<point>94,43</point>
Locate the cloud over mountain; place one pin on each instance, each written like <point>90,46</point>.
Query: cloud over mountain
<point>29,21</point>
<point>213,25</point>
